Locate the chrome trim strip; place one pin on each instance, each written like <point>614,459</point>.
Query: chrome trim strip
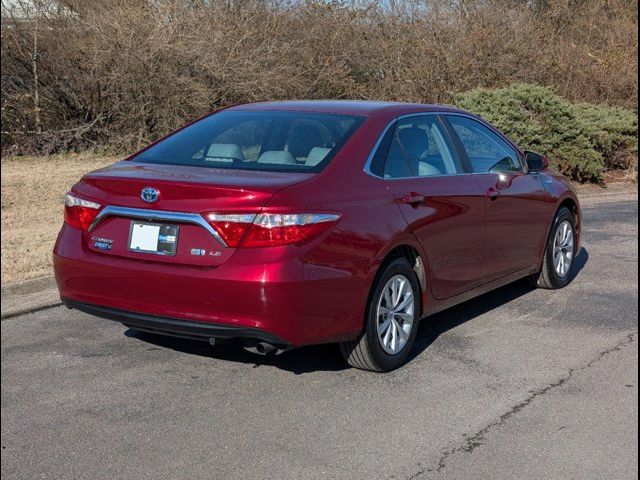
<point>151,215</point>
<point>367,165</point>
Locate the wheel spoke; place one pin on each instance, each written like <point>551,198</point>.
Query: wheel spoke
<point>556,260</point>
<point>387,298</point>
<point>394,336</point>
<point>394,294</point>
<point>402,334</point>
<point>405,302</point>
<point>384,326</point>
<point>399,285</point>
<point>387,336</point>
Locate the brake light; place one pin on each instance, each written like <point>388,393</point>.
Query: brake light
<point>285,229</point>
<point>79,213</point>
<point>231,228</point>
<point>270,229</point>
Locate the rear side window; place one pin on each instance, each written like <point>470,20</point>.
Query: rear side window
<point>487,151</point>
<point>268,141</point>
<point>419,149</point>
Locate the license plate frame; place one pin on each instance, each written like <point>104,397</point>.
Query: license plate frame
<point>153,238</point>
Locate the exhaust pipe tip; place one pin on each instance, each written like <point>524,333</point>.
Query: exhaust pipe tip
<point>264,348</point>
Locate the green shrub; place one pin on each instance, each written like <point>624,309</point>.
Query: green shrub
<point>582,140</point>
<point>613,131</point>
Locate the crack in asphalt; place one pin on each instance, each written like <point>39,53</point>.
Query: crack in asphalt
<point>477,439</point>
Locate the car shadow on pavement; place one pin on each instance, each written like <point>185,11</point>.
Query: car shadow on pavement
<point>300,360</point>
<point>434,326</point>
<point>327,357</point>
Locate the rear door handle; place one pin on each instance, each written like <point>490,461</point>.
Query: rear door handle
<point>493,194</point>
<point>413,199</point>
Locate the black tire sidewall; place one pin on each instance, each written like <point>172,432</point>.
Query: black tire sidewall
<point>556,280</point>
<point>384,360</point>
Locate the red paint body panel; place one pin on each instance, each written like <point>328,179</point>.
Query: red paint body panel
<point>450,225</point>
<point>516,222</point>
<point>317,291</point>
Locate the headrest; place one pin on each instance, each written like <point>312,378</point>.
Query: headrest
<point>425,169</point>
<point>302,139</point>
<point>224,151</point>
<point>316,155</point>
<point>279,157</point>
<point>415,141</point>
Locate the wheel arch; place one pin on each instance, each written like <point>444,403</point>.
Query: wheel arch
<point>417,261</point>
<point>573,206</point>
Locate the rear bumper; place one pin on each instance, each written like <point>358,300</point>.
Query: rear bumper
<point>288,295</point>
<point>174,326</point>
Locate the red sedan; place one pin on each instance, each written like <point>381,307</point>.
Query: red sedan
<point>295,223</point>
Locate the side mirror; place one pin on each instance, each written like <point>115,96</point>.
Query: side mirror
<point>536,162</point>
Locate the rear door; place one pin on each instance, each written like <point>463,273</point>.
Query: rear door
<point>443,207</point>
<point>518,205</point>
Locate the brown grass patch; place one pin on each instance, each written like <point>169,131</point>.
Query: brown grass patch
<point>33,192</point>
<point>119,73</point>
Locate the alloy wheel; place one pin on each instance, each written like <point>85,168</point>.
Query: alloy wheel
<point>395,314</point>
<point>563,249</point>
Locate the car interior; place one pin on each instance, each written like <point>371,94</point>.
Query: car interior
<point>423,147</point>
<point>304,143</point>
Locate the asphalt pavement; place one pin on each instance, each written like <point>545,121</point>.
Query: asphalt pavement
<point>518,383</point>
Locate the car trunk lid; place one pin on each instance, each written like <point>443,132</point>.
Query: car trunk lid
<point>184,194</point>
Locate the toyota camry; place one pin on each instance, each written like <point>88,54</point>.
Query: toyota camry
<point>294,223</point>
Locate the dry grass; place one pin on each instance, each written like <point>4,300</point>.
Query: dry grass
<point>118,73</point>
<point>32,197</point>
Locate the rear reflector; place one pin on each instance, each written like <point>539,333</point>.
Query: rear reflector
<point>79,213</point>
<point>270,229</point>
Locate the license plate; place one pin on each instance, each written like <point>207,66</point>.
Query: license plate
<point>156,238</point>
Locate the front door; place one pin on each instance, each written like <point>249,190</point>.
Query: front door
<point>518,206</point>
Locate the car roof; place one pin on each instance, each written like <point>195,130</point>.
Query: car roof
<point>345,107</point>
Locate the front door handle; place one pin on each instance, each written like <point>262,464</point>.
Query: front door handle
<point>413,199</point>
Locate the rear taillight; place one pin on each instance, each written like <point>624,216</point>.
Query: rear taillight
<point>269,229</point>
<point>284,229</point>
<point>79,213</point>
<point>231,228</point>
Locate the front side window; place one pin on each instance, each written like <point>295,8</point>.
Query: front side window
<point>419,149</point>
<point>487,152</point>
<point>268,141</point>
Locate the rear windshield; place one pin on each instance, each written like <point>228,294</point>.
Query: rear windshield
<point>267,141</point>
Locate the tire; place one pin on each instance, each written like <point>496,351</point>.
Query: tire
<point>368,351</point>
<point>551,276</point>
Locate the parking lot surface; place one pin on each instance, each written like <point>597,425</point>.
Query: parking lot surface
<point>518,383</point>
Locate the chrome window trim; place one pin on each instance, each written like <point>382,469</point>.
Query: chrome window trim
<point>369,161</point>
<point>152,215</point>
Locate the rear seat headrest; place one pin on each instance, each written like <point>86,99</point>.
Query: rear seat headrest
<point>279,157</point>
<point>426,169</point>
<point>316,155</point>
<point>303,138</point>
<point>224,151</point>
